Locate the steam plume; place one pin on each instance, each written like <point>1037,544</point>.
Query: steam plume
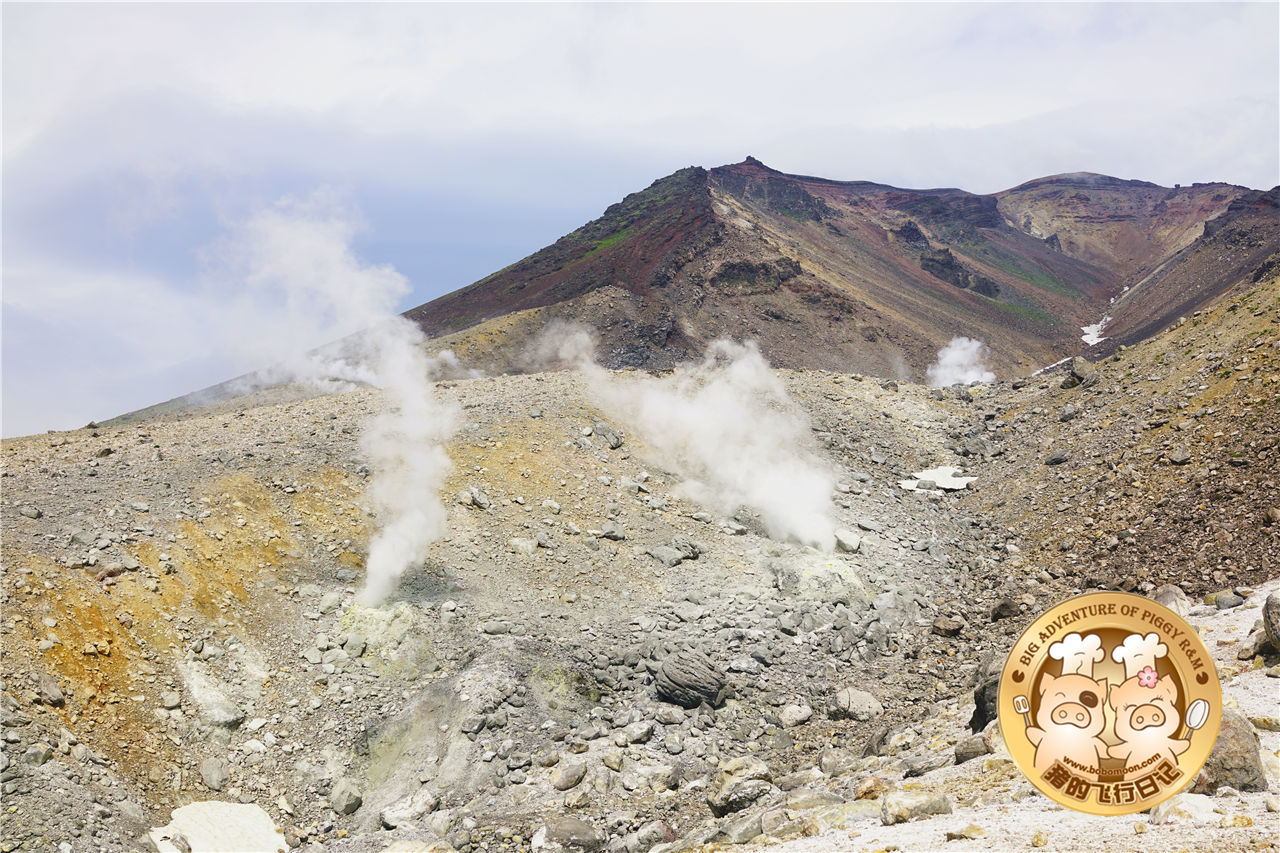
<point>297,261</point>
<point>727,425</point>
<point>963,360</point>
<point>405,448</point>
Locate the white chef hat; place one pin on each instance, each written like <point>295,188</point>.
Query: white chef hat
<point>1138,652</point>
<point>1078,653</point>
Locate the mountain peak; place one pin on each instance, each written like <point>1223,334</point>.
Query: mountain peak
<point>751,166</point>
<point>1084,179</point>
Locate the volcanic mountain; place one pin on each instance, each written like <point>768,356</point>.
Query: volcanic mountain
<point>867,277</point>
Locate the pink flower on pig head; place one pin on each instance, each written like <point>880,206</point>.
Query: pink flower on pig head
<point>1147,677</point>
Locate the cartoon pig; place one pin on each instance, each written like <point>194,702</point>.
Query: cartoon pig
<point>1146,719</point>
<point>1068,722</point>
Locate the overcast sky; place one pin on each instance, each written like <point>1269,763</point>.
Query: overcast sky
<point>443,142</point>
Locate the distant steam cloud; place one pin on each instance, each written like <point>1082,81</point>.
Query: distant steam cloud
<point>963,360</point>
<point>726,424</point>
<point>299,268</point>
<point>561,345</point>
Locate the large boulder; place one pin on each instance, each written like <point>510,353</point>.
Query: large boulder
<point>568,775</point>
<point>902,806</point>
<point>213,771</point>
<point>409,809</point>
<point>850,703</point>
<point>740,782</point>
<point>1172,597</point>
<point>608,434</point>
<point>689,679</point>
<point>986,694</point>
<point>345,797</point>
<point>1236,760</point>
<point>1081,370</point>
<point>1271,619</point>
<point>567,834</point>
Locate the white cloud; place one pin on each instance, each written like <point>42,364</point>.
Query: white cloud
<point>681,78</point>
<point>121,119</point>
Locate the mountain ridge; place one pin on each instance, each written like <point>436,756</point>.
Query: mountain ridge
<point>881,276</point>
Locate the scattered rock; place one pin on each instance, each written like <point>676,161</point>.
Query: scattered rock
<point>1271,619</point>
<point>645,838</point>
<point>345,797</point>
<point>947,626</point>
<point>794,715</point>
<point>1172,597</point>
<point>848,541</point>
<point>37,754</point>
<point>740,782</point>
<point>850,703</point>
<point>902,806</point>
<point>609,434</point>
<point>740,830</point>
<point>871,788</point>
<point>1196,808</point>
<point>837,762</point>
<point>1178,454</point>
<point>679,549</point>
<point>48,692</point>
<point>918,765</point>
<point>1004,609</point>
<point>808,798</point>
<point>564,834</point>
<point>222,712</point>
<point>214,773</point>
<point>1227,600</point>
<point>970,748</point>
<point>412,808</point>
<point>568,775</point>
<point>1252,645</point>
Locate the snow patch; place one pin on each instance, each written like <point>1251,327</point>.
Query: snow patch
<point>1049,367</point>
<point>212,826</point>
<point>944,477</point>
<point>1093,334</point>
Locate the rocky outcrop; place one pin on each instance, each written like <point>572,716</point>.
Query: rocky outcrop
<point>942,264</point>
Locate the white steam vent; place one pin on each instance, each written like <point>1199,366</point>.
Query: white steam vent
<point>963,360</point>
<point>299,273</point>
<point>405,449</point>
<point>726,424</point>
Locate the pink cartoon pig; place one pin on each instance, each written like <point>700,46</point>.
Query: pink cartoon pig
<point>1071,714</point>
<point>1146,715</point>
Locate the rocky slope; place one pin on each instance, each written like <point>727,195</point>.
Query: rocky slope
<point>591,657</point>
